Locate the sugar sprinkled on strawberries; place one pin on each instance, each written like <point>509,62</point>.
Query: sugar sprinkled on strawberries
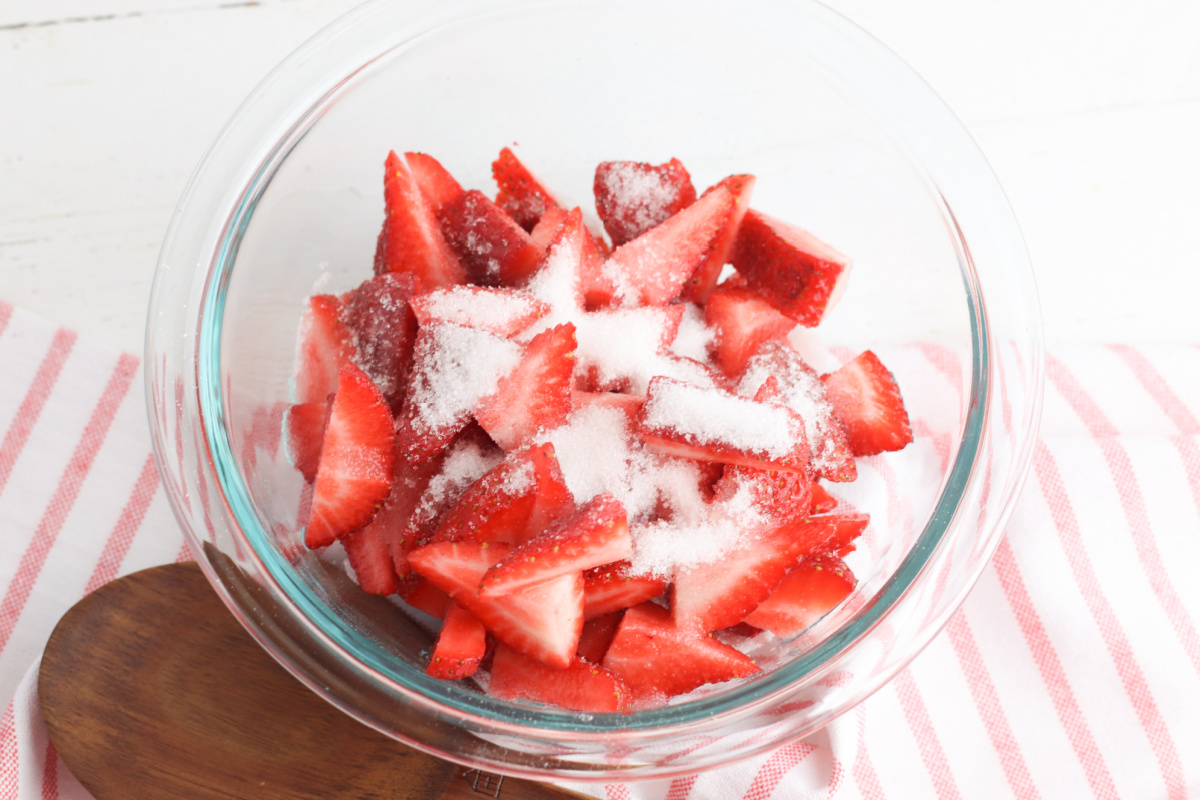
<point>694,336</point>
<point>465,463</point>
<point>453,368</point>
<point>711,416</point>
<point>494,310</point>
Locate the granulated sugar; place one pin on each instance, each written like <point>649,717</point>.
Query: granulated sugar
<point>465,462</point>
<point>694,336</point>
<point>713,417</point>
<point>647,194</point>
<point>495,310</point>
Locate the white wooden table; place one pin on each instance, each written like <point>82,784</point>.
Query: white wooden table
<point>1089,111</point>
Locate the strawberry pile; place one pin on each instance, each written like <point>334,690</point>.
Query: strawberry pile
<point>587,455</point>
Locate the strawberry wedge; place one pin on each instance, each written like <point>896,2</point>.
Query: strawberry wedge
<point>522,196</point>
<point>741,320</point>
<point>704,279</point>
<point>324,345</point>
<point>581,686</point>
<point>411,240</point>
<point>494,250</point>
<point>810,591</point>
<point>371,559</point>
<point>633,197</point>
<point>867,401</point>
<point>383,330</point>
<point>504,312</point>
<point>534,397</point>
<point>437,185</point>
<point>460,647</point>
<point>613,587</point>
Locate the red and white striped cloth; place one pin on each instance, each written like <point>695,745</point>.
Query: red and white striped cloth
<point>1072,670</point>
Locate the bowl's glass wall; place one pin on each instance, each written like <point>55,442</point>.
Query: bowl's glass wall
<point>845,143</point>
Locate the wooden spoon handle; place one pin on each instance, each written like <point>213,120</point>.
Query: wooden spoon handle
<point>150,689</point>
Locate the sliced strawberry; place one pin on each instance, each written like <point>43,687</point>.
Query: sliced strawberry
<point>504,312</point>
<point>595,534</point>
<point>741,320</point>
<point>494,250</point>
<point>794,270</point>
<point>383,329</point>
<point>719,594</point>
<point>437,185</point>
<point>652,269</point>
<point>614,587</point>
<point>867,402</point>
<point>543,621</point>
<point>536,396</point>
<point>557,280</point>
<point>581,686</point>
<point>357,453</point>
<point>628,404</point>
<point>704,279</point>
<point>543,233</point>
<point>497,507</point>
<point>522,196</point>
<point>810,591</point>
<point>305,423</point>
<point>714,425</point>
<point>552,498</point>
<point>822,501</point>
<point>460,646</point>
<point>633,197</point>
<point>597,634</point>
<point>371,560</point>
<point>413,240</point>
<point>848,526</point>
<point>324,345</point>
<point>656,658</point>
<point>424,596</point>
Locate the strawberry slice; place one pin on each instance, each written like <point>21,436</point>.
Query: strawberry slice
<point>628,404</point>
<point>848,526</point>
<point>371,560</point>
<point>357,453</point>
<point>494,250</point>
<point>557,280</point>
<point>497,507</point>
<point>552,498</point>
<point>412,240</point>
<point>460,647</point>
<point>656,658</point>
<point>613,587</point>
<point>794,270</point>
<point>822,501</point>
<point>305,424</point>
<point>383,329</point>
<point>424,596</point>
<point>543,621</point>
<point>595,534</point>
<point>652,269</point>
<point>705,278</point>
<point>534,397</point>
<point>719,594</point>
<point>867,402</point>
<point>597,633</point>
<point>522,196</point>
<point>504,312</point>
<point>810,591</point>
<point>581,686</point>
<point>324,345</point>
<point>543,233</point>
<point>741,320</point>
<point>714,425</point>
<point>633,197</point>
<point>437,185</point>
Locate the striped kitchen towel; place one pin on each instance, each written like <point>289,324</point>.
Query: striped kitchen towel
<point>1072,670</point>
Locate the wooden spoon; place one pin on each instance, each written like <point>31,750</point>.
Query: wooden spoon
<point>150,688</point>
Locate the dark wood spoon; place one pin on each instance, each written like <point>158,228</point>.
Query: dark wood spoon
<point>150,688</point>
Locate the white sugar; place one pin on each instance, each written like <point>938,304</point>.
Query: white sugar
<point>694,336</point>
<point>622,345</point>
<point>644,196</point>
<point>495,310</point>
<point>519,479</point>
<point>713,417</point>
<point>800,389</point>
<point>465,463</point>
<point>454,367</point>
<point>556,283</point>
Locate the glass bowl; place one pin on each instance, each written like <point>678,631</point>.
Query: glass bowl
<point>845,140</point>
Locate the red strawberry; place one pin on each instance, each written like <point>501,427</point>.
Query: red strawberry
<point>424,596</point>
<point>504,312</point>
<point>543,621</point>
<point>719,594</point>
<point>438,186</point>
<point>324,345</point>
<point>714,425</point>
<point>628,404</point>
<point>522,196</point>
<point>704,279</point>
<point>552,500</point>
<point>632,197</point>
<point>597,634</point>
<point>613,587</point>
<point>371,559</point>
<point>557,279</point>
<point>651,269</point>
<point>460,645</point>
<point>822,501</point>
<point>305,424</point>
<point>867,402</point>
<point>543,233</point>
<point>595,534</point>
<point>383,329</point>
<point>741,320</point>
<point>798,273</point>
<point>848,527</point>
<point>656,658</point>
<point>494,250</point>
<point>810,591</point>
<point>497,507</point>
<point>412,239</point>
<point>536,396</point>
<point>357,453</point>
<point>581,686</point>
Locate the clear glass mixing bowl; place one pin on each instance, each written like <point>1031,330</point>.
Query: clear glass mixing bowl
<point>846,141</point>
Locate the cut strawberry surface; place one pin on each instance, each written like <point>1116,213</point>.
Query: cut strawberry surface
<point>654,657</point>
<point>705,278</point>
<point>741,320</point>
<point>324,345</point>
<point>714,425</point>
<point>867,402</point>
<point>536,395</point>
<point>522,196</point>
<point>580,686</point>
<point>628,404</point>
<point>633,197</point>
<point>504,312</point>
<point>597,635</point>
<point>848,526</point>
<point>355,471</point>
<point>424,596</point>
<point>810,591</point>
<point>794,270</point>
<point>497,507</point>
<point>371,560</point>
<point>412,240</point>
<point>822,501</point>
<point>595,534</point>
<point>460,646</point>
<point>383,329</point>
<point>614,587</point>
<point>542,621</point>
<point>653,268</point>
<point>543,233</point>
<point>557,280</point>
<point>494,250</point>
<point>305,424</point>
<point>552,498</point>
<point>437,185</point>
